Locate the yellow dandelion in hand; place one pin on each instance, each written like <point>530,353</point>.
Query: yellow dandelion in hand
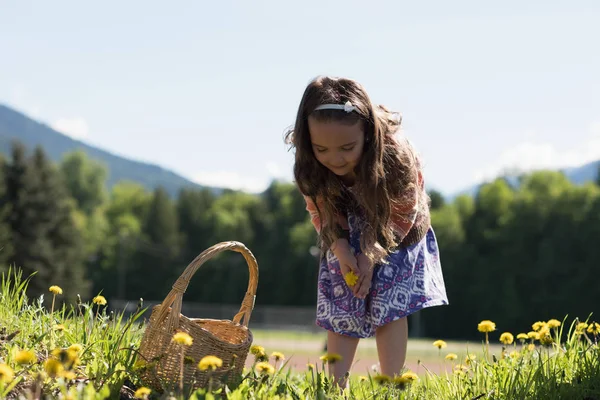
<point>210,362</point>
<point>382,379</point>
<point>142,393</point>
<point>351,278</point>
<point>522,337</point>
<point>265,368</point>
<point>486,326</point>
<point>331,358</point>
<point>99,300</point>
<point>451,356</point>
<point>506,338</point>
<point>6,373</point>
<point>440,344</point>
<point>56,290</point>
<point>278,356</point>
<point>553,323</point>
<point>594,328</point>
<point>182,338</point>
<point>25,357</point>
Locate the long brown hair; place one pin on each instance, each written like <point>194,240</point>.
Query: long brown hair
<point>386,168</point>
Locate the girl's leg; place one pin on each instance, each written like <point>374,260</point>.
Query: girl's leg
<point>345,346</point>
<point>391,341</point>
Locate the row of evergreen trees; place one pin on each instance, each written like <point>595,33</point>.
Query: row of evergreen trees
<point>511,254</point>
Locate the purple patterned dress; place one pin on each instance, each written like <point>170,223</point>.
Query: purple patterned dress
<point>411,281</point>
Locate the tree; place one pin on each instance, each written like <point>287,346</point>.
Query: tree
<point>85,180</point>
<point>6,249</point>
<point>437,199</point>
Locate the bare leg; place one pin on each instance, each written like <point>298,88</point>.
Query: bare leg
<point>391,341</point>
<point>345,346</point>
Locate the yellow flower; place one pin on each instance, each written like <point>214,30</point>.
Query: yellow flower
<point>470,358</point>
<point>210,362</point>
<point>310,366</point>
<point>440,344</point>
<point>362,378</point>
<point>53,368</point>
<point>6,373</point>
<point>351,278</point>
<point>522,336</point>
<point>59,327</point>
<point>67,357</point>
<point>582,326</point>
<point>100,300</point>
<point>514,354</point>
<point>407,377</point>
<point>594,328</point>
<point>507,338</point>
<point>257,350</point>
<point>451,356</point>
<point>486,326</point>
<point>182,338</point>
<point>382,379</point>
<point>265,368</point>
<point>331,358</point>
<point>538,325</point>
<point>142,393</point>
<point>533,335</point>
<point>553,323</point>
<point>56,289</point>
<point>75,347</point>
<point>25,357</point>
<point>531,347</point>
<point>278,356</point>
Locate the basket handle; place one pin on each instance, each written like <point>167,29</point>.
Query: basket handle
<point>175,296</point>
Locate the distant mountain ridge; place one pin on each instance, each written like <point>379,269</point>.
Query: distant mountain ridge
<point>16,125</point>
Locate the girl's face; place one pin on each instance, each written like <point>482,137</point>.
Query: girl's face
<point>337,146</point>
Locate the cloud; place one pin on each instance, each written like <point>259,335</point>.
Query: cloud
<point>77,127</point>
<point>274,170</point>
<point>529,155</point>
<point>231,180</point>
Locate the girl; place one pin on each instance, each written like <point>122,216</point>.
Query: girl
<point>365,194</point>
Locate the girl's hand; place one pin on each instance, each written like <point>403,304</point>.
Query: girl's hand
<point>361,289</point>
<point>348,262</point>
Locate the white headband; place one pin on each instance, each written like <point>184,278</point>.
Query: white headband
<point>348,107</point>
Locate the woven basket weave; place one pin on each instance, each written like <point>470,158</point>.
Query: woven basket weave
<point>228,340</point>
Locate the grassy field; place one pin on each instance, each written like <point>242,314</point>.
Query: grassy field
<point>89,353</point>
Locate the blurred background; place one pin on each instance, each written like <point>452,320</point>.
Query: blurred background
<point>134,135</point>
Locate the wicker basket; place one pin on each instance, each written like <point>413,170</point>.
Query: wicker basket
<point>228,340</point>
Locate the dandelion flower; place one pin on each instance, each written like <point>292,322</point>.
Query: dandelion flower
<point>210,362</point>
<point>142,393</point>
<point>440,344</point>
<point>6,373</point>
<point>59,327</point>
<point>470,358</point>
<point>531,347</point>
<point>362,378</point>
<point>257,350</point>
<point>451,356</point>
<point>310,366</point>
<point>581,326</point>
<point>382,379</point>
<point>56,289</point>
<point>100,300</point>
<point>514,354</point>
<point>278,356</point>
<point>25,357</point>
<point>553,323</point>
<point>538,326</point>
<point>182,338</point>
<point>533,335</point>
<point>76,347</point>
<point>594,328</point>
<point>351,278</point>
<point>486,326</point>
<point>522,337</point>
<point>53,368</point>
<point>507,338</point>
<point>265,368</point>
<point>331,358</point>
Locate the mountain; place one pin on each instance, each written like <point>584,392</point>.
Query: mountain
<point>578,175</point>
<point>15,125</point>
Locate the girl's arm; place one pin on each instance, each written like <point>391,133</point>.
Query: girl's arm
<point>405,209</point>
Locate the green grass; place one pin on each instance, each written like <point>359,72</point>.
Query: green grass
<point>81,352</point>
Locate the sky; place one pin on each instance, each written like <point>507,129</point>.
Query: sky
<point>208,89</point>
